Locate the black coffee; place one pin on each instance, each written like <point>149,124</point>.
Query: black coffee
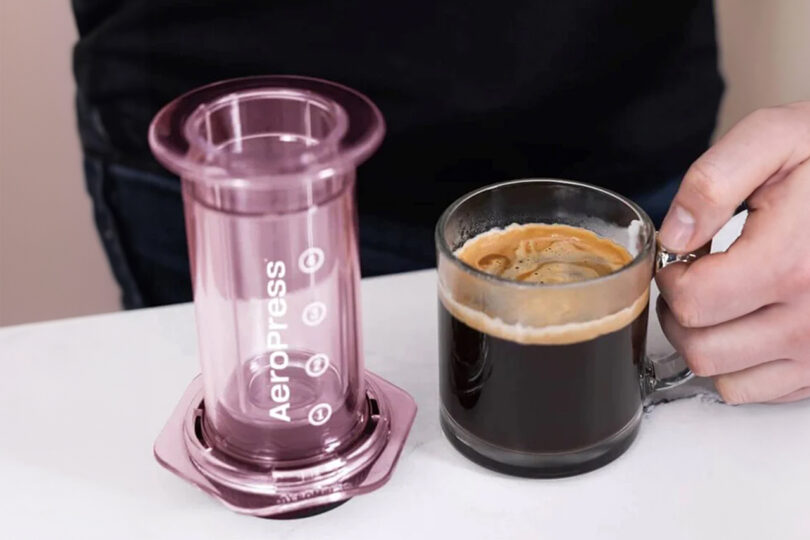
<point>562,390</point>
<point>540,398</point>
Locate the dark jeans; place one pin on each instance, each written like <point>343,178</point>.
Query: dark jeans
<point>139,215</point>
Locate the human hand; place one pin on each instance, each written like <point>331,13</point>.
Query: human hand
<point>743,316</point>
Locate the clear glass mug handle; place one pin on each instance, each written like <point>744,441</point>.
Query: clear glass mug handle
<point>671,370</point>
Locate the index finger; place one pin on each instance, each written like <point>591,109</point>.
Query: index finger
<point>721,286</point>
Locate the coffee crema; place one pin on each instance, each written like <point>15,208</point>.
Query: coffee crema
<point>542,254</point>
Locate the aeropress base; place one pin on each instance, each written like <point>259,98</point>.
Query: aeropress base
<point>288,492</point>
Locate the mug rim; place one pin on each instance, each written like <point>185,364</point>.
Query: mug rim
<point>444,248</point>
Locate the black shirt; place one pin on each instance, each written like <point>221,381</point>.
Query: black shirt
<point>621,93</point>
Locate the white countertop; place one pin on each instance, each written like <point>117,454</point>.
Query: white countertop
<point>82,400</point>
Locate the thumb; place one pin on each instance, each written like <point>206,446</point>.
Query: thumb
<point>766,143</point>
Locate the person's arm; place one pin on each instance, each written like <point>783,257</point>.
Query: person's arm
<point>743,316</point>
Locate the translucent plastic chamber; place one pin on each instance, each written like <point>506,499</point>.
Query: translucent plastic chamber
<point>268,174</point>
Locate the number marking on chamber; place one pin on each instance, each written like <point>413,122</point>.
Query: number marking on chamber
<point>314,313</point>
<point>311,260</point>
<point>320,414</point>
<point>317,365</point>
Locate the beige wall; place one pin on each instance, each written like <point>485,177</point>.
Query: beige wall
<point>51,264</point>
<point>765,51</point>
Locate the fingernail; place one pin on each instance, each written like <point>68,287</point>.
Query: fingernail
<point>677,230</point>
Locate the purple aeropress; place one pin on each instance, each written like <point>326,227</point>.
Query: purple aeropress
<point>284,421</point>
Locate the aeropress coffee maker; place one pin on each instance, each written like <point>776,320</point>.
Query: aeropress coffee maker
<point>283,421</point>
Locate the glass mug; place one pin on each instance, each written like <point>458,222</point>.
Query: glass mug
<point>547,380</point>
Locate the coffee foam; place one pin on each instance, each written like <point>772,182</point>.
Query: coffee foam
<point>542,253</point>
<point>558,334</point>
